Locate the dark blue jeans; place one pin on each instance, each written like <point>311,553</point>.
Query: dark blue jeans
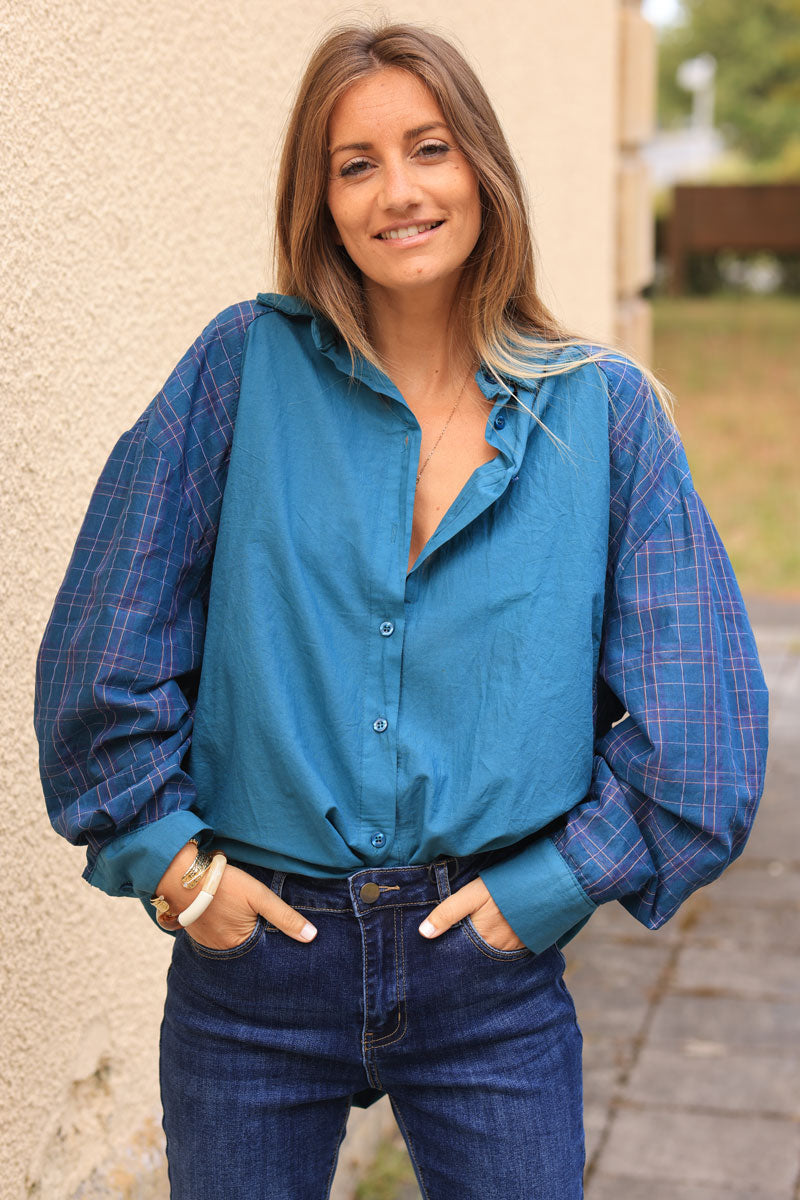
<point>265,1048</point>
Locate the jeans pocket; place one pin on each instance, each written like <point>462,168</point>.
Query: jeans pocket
<point>487,949</point>
<point>243,948</point>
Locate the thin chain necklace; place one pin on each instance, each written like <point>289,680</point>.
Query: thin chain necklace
<point>447,422</point>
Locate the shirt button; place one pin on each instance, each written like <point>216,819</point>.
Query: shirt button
<point>387,628</point>
<point>378,839</point>
<point>499,421</point>
<point>380,724</point>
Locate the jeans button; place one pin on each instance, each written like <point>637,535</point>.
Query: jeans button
<point>369,892</point>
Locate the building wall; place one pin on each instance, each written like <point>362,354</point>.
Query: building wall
<point>140,142</point>
<point>634,224</point>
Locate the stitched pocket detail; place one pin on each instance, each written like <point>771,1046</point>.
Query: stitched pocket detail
<point>235,951</point>
<point>492,951</point>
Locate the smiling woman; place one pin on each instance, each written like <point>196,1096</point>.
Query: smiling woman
<point>395,641</point>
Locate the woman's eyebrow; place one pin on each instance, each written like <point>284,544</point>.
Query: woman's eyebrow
<point>408,136</point>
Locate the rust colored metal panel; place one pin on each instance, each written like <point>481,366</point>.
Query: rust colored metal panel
<point>745,217</point>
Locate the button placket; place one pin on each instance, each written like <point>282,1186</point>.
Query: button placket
<point>380,755</point>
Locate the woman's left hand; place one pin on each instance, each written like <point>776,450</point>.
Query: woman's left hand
<point>474,900</point>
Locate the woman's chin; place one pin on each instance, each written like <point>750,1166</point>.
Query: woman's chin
<point>413,281</point>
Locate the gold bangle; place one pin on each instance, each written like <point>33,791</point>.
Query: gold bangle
<point>189,879</point>
<point>207,892</point>
<point>197,870</point>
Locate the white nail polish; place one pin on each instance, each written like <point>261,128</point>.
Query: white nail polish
<point>308,931</point>
<point>427,929</point>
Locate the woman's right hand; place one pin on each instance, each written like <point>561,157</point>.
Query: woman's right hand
<point>232,914</point>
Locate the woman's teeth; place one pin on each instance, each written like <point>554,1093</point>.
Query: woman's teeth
<point>409,231</point>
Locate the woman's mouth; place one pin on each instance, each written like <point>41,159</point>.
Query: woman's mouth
<point>409,233</point>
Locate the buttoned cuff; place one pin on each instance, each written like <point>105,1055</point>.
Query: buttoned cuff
<point>538,895</point>
<point>132,864</point>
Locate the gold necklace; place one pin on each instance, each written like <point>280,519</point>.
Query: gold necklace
<point>447,422</point>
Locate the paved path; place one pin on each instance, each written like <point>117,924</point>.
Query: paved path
<point>692,1033</point>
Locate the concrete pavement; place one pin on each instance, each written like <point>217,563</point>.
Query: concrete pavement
<point>692,1033</point>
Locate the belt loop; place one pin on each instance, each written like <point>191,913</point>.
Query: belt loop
<point>442,877</point>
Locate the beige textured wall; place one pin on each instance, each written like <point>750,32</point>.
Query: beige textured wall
<point>138,139</point>
<point>635,227</point>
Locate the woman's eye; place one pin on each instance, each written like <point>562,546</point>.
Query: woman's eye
<point>432,149</point>
<point>354,167</point>
<point>360,166</point>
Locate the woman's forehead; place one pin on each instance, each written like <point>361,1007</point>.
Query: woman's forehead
<point>388,97</point>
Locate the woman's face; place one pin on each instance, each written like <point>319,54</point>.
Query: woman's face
<point>395,170</point>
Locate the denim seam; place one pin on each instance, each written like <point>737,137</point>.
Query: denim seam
<point>379,1041</point>
<point>562,987</point>
<point>319,908</point>
<point>407,1136</point>
<point>249,944</point>
<point>369,909</point>
<point>442,869</point>
<point>342,1128</point>
<point>366,1042</point>
<point>485,947</point>
<point>402,1013</point>
<point>392,904</point>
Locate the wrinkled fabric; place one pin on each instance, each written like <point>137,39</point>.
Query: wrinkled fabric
<point>237,653</point>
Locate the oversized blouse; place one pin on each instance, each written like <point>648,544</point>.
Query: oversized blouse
<point>239,653</point>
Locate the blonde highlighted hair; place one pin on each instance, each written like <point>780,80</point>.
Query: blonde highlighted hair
<point>501,316</point>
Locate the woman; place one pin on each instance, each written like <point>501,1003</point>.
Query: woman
<point>458,658</point>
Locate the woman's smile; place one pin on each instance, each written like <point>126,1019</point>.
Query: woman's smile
<point>403,197</point>
<point>412,233</point>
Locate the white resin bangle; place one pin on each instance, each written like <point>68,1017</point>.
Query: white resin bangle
<point>206,893</point>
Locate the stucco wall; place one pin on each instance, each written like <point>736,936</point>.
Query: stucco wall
<point>139,138</point>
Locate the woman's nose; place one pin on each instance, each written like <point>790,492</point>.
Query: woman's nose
<point>399,187</point>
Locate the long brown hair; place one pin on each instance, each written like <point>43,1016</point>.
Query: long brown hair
<point>500,313</point>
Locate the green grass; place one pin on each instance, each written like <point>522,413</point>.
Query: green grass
<point>390,1175</point>
<point>733,364</point>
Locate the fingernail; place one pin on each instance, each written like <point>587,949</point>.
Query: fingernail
<point>427,929</point>
<point>308,932</point>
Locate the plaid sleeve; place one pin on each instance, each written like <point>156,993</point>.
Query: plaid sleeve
<point>681,704</point>
<point>119,661</point>
<point>677,780</point>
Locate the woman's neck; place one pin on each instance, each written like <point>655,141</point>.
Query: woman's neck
<point>413,337</point>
